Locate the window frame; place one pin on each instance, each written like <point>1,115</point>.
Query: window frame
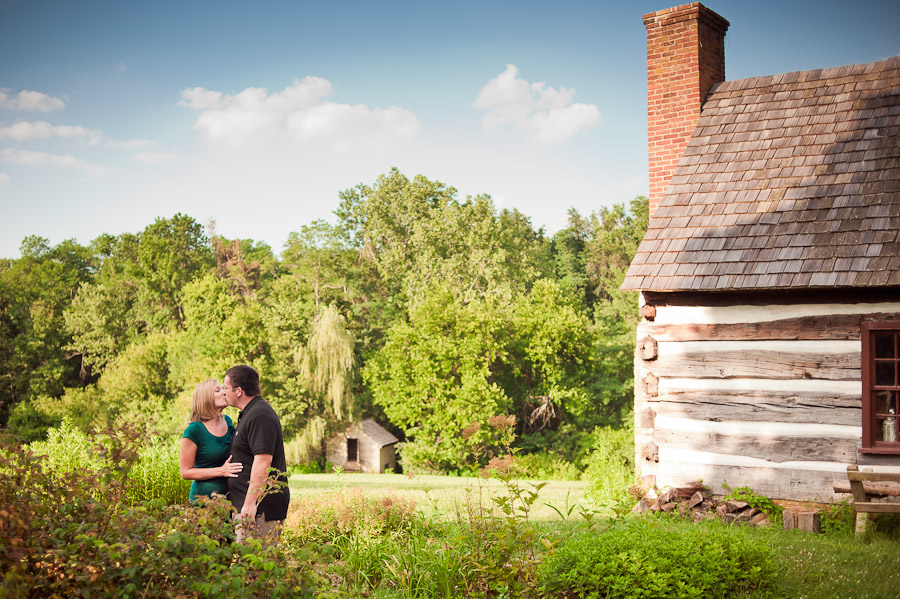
<point>869,444</point>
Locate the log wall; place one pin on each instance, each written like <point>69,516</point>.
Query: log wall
<point>765,396</point>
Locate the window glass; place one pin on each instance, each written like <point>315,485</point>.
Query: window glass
<point>884,345</point>
<point>887,422</point>
<point>884,373</point>
<point>881,387</point>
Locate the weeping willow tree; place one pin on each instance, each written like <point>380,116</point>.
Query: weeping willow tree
<point>328,367</point>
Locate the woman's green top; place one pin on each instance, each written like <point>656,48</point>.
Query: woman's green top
<point>212,451</point>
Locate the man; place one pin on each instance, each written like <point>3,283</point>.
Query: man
<point>258,442</point>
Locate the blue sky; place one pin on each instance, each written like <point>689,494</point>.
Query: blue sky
<point>258,114</point>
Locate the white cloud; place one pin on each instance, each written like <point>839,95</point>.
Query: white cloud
<point>29,100</point>
<point>29,130</point>
<point>152,157</point>
<point>300,113</point>
<point>32,158</point>
<point>130,144</point>
<point>4,178</point>
<point>544,114</point>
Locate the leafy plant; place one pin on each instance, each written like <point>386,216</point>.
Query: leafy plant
<point>66,534</point>
<point>153,474</point>
<point>760,502</point>
<point>611,465</point>
<point>649,558</point>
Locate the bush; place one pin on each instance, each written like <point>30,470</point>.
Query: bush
<point>70,534</point>
<point>544,466</point>
<point>659,559</point>
<point>155,475</point>
<point>611,465</point>
<point>347,511</point>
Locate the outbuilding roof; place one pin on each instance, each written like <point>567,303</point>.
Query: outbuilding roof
<point>788,181</point>
<point>377,433</point>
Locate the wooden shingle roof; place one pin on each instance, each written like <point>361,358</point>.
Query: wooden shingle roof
<point>788,181</point>
<point>377,433</point>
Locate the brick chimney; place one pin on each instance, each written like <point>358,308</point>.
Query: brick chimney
<point>685,57</point>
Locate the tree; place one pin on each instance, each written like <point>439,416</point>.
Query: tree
<point>319,259</point>
<point>433,377</point>
<point>170,253</point>
<point>34,293</point>
<point>616,234</point>
<point>420,236</point>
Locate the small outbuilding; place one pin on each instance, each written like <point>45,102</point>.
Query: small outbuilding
<point>363,447</point>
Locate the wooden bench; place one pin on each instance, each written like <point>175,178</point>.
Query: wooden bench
<point>864,485</point>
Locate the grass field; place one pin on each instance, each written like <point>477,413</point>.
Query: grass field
<point>447,495</point>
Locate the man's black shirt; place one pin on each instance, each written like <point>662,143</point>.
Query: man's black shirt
<point>259,432</point>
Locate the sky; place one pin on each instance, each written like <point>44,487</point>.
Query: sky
<point>257,114</point>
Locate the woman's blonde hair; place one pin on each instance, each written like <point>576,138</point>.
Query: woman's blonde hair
<point>203,402</point>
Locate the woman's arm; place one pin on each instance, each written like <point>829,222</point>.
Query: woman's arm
<point>189,457</point>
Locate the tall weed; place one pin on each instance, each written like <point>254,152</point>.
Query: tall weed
<point>347,512</point>
<point>611,465</point>
<point>154,475</point>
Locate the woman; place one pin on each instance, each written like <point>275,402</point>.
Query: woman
<point>206,443</point>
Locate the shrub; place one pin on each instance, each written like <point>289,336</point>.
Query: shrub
<point>347,511</point>
<point>155,475</point>
<point>659,559</point>
<point>544,466</point>
<point>839,519</point>
<point>611,465</point>
<point>69,534</point>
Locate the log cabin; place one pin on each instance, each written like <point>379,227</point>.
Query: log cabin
<point>769,346</point>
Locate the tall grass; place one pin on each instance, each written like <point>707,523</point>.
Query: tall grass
<point>611,465</point>
<point>155,475</point>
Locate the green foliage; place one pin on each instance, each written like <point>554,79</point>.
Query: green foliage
<point>433,378</point>
<point>834,565</point>
<point>643,558</point>
<point>170,253</point>
<point>70,535</point>
<point>611,465</point>
<point>34,292</point>
<point>155,475</point>
<point>67,449</point>
<point>328,365</point>
<point>419,235</point>
<point>760,502</point>
<point>544,466</point>
<point>839,519</point>
<point>451,309</point>
<point>101,321</point>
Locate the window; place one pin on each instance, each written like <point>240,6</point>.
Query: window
<point>352,450</point>
<point>881,387</point>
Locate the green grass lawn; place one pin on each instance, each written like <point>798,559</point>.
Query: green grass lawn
<point>447,495</point>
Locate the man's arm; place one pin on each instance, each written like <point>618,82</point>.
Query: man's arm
<point>258,473</point>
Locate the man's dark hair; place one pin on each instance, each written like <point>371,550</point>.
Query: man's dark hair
<point>244,377</point>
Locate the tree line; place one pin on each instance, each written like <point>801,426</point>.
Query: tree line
<point>428,312</point>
